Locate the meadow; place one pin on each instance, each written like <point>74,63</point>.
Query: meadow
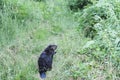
<point>87,33</point>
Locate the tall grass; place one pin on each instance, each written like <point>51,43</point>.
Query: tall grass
<point>28,26</point>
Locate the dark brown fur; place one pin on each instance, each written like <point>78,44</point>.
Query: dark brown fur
<point>45,59</point>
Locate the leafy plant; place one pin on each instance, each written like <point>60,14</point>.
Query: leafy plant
<point>89,18</point>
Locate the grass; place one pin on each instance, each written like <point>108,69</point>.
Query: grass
<point>27,27</point>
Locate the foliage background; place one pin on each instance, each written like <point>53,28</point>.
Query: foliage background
<point>87,33</point>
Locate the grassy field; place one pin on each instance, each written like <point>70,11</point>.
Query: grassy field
<point>87,36</point>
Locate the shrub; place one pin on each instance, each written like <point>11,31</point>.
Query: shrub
<point>90,17</point>
<point>78,4</point>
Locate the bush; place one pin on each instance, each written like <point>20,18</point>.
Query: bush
<point>78,4</point>
<point>102,22</point>
<point>90,17</point>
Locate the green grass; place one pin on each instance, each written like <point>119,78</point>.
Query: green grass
<point>28,26</point>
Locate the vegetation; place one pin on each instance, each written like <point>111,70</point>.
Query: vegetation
<point>88,38</point>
